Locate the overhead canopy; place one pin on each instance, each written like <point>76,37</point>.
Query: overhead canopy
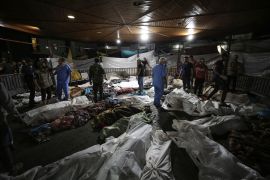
<point>162,19</point>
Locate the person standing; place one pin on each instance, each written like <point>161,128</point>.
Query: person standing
<point>200,75</point>
<point>63,73</point>
<point>186,73</point>
<point>233,68</point>
<point>29,77</point>
<point>158,75</point>
<point>44,81</point>
<point>220,78</point>
<point>141,72</point>
<point>6,139</point>
<point>193,62</point>
<point>96,76</point>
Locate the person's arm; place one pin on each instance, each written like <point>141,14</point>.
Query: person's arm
<point>103,73</point>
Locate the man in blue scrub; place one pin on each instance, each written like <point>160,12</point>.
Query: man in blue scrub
<point>63,72</point>
<point>159,75</point>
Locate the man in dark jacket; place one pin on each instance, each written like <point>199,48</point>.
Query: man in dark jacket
<point>29,77</point>
<point>220,78</point>
<point>186,73</point>
<point>96,76</point>
<point>6,140</point>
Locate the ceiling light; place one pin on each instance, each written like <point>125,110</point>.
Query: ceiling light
<point>106,47</point>
<point>71,17</point>
<point>177,46</point>
<point>144,37</point>
<point>118,41</point>
<point>191,31</point>
<point>99,32</point>
<point>190,37</point>
<point>47,47</point>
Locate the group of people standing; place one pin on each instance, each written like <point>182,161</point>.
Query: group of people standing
<point>40,77</point>
<point>193,74</point>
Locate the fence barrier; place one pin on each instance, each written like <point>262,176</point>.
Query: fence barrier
<point>252,84</point>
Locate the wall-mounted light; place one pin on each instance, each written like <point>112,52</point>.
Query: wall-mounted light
<point>71,17</point>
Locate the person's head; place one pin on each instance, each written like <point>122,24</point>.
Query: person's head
<point>44,63</point>
<point>235,58</point>
<point>29,62</point>
<point>162,60</point>
<point>19,63</point>
<point>186,59</point>
<point>202,61</point>
<point>61,61</point>
<point>191,57</point>
<point>97,60</point>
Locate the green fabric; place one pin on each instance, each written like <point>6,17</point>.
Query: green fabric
<point>120,126</point>
<point>96,73</point>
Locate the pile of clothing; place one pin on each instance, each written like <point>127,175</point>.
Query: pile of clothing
<point>120,90</point>
<point>110,116</point>
<point>71,119</point>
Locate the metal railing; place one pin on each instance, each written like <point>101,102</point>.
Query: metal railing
<point>14,83</point>
<point>252,84</point>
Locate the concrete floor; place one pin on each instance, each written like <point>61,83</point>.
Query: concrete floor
<point>68,142</point>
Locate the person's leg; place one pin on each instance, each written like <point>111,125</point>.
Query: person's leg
<point>196,86</point>
<point>200,87</point>
<point>101,92</point>
<point>157,96</point>
<point>234,79</point>
<point>43,94</point>
<point>216,88</point>
<point>95,91</point>
<point>184,83</point>
<point>65,88</point>
<point>59,90</point>
<point>229,82</point>
<point>188,82</point>
<point>140,82</point>
<point>32,90</point>
<point>49,94</point>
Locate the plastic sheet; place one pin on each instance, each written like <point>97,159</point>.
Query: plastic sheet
<point>117,159</point>
<point>179,100</point>
<point>212,159</point>
<point>158,160</point>
<point>53,111</point>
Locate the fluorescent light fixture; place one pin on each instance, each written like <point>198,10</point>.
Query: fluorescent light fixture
<point>190,37</point>
<point>144,37</point>
<point>71,17</point>
<point>47,47</point>
<point>177,46</point>
<point>118,41</point>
